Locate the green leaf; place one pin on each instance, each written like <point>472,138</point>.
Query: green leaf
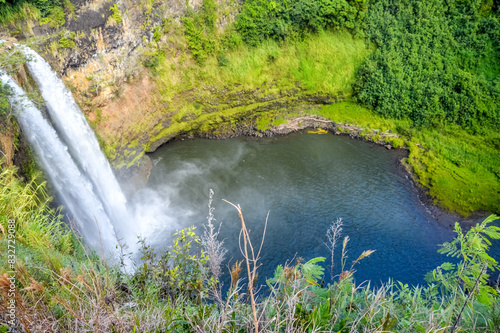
<point>313,272</point>
<point>447,266</point>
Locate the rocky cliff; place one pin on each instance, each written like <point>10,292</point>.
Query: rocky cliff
<point>100,49</point>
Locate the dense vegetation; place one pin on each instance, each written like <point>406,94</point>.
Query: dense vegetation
<point>49,11</point>
<point>428,69</point>
<point>437,62</point>
<point>61,286</point>
<point>282,20</point>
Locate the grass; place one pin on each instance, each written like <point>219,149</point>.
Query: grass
<point>28,205</point>
<point>460,170</point>
<point>178,290</point>
<point>24,11</point>
<point>326,63</point>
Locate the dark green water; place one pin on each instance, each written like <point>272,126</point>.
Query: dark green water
<point>306,181</point>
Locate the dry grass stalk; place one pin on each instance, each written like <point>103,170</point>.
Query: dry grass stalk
<point>252,262</point>
<point>333,234</point>
<point>35,286</point>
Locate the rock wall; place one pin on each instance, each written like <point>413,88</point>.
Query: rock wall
<point>99,53</point>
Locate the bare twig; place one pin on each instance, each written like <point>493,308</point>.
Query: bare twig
<point>468,298</point>
<point>251,272</point>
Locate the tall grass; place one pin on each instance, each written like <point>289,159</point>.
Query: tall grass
<point>37,224</point>
<point>326,62</point>
<point>170,292</point>
<point>9,13</point>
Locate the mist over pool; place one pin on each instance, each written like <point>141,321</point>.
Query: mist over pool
<point>305,181</point>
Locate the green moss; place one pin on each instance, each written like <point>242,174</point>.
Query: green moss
<point>263,124</point>
<point>110,152</point>
<point>134,143</point>
<point>397,142</point>
<point>135,160</point>
<point>459,170</point>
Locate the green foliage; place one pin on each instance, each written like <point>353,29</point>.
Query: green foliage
<point>11,61</point>
<point>55,19</point>
<point>117,14</point>
<point>281,20</point>
<point>12,10</point>
<point>177,272</point>
<point>472,250</point>
<point>437,62</point>
<point>45,6</point>
<point>5,92</point>
<point>67,39</point>
<point>37,224</point>
<point>200,31</point>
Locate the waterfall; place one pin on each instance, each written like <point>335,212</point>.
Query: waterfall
<point>71,185</point>
<point>81,140</point>
<point>70,155</point>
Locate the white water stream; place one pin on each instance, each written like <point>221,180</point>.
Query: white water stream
<point>70,155</point>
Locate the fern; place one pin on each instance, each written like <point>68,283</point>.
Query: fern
<point>312,272</point>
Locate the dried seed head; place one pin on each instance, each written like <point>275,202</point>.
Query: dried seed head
<point>65,277</point>
<point>34,286</point>
<point>344,275</point>
<point>235,273</point>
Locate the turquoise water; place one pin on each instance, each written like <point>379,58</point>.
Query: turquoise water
<point>305,181</point>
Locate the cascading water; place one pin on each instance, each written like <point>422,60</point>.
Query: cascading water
<point>71,185</point>
<point>80,139</point>
<point>74,163</point>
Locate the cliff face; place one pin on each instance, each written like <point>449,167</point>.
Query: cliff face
<point>97,53</point>
<point>100,52</point>
<point>101,35</point>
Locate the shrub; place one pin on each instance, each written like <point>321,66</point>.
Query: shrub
<point>55,19</point>
<point>117,14</point>
<point>281,20</point>
<point>67,39</point>
<point>437,62</point>
<point>200,31</point>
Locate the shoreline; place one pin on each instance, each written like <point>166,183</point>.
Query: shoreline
<point>446,219</point>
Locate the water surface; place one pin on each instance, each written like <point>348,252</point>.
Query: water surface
<point>305,181</point>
